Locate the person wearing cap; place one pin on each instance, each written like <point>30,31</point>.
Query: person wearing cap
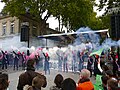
<point>84,82</point>
<point>4,60</point>
<point>46,63</point>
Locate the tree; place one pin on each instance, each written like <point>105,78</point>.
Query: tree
<point>73,14</point>
<point>20,7</point>
<point>108,4</point>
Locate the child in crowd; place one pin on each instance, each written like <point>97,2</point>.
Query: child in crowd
<point>37,83</point>
<point>68,84</point>
<point>58,81</point>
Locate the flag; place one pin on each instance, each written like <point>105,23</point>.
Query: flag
<point>98,52</point>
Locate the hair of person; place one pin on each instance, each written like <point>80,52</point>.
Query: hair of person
<point>118,73</point>
<point>38,82</point>
<point>4,81</point>
<point>109,73</point>
<point>27,87</point>
<point>104,79</point>
<point>4,76</point>
<point>58,80</point>
<point>30,62</point>
<point>44,80</point>
<point>85,73</point>
<point>68,84</point>
<point>112,83</point>
<point>105,67</point>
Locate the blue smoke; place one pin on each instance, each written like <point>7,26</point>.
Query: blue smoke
<point>91,37</point>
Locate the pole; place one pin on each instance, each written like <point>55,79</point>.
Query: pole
<point>28,52</point>
<point>46,42</point>
<point>28,37</point>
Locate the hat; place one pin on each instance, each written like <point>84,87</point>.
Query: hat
<point>46,54</point>
<point>18,52</point>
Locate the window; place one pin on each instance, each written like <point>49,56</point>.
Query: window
<point>12,28</point>
<point>34,31</point>
<point>4,29</point>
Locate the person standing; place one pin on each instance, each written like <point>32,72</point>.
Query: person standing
<point>74,61</point>
<point>16,59</point>
<point>37,59</point>
<point>84,82</point>
<point>46,63</point>
<point>4,59</point>
<point>81,60</point>
<point>26,77</point>
<point>96,69</point>
<point>65,65</point>
<point>24,61</point>
<point>115,62</point>
<point>60,59</point>
<point>89,65</point>
<point>1,56</point>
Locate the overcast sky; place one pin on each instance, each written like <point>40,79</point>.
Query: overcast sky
<point>1,5</point>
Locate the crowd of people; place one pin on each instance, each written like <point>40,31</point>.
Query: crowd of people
<point>13,59</point>
<point>76,60</point>
<point>107,65</point>
<point>17,60</point>
<point>32,80</point>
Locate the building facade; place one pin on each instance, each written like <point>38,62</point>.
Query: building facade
<point>10,27</point>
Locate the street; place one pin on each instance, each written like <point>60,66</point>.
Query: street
<point>13,77</point>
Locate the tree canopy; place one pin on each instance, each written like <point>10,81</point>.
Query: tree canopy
<point>110,7</point>
<point>108,4</point>
<point>73,14</point>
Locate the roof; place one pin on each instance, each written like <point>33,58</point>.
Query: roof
<point>68,36</point>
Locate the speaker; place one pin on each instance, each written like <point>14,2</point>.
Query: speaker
<point>115,26</point>
<point>24,33</point>
<point>118,26</point>
<point>113,29</point>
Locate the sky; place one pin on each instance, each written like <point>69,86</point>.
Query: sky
<point>1,5</point>
<point>52,22</point>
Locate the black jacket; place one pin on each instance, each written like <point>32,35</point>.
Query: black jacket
<point>27,77</point>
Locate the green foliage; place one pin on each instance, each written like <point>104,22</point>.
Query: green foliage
<point>72,13</point>
<point>108,4</point>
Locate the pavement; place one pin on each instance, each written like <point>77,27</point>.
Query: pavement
<point>13,77</point>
